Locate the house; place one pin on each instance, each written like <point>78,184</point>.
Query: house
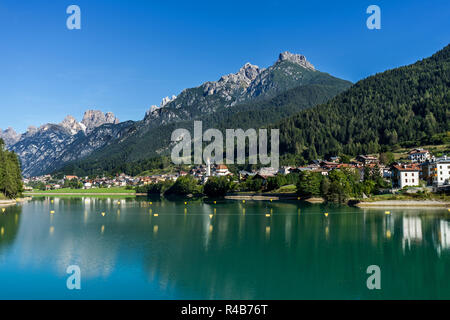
<point>365,160</point>
<point>70,177</point>
<point>222,170</point>
<point>285,170</point>
<point>406,175</point>
<point>436,172</point>
<point>419,155</point>
<point>88,185</point>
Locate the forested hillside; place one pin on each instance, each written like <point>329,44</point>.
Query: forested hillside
<point>404,106</point>
<point>10,176</point>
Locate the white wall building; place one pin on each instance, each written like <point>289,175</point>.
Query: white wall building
<point>419,155</point>
<point>406,176</point>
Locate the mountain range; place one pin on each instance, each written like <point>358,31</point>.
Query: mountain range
<point>318,115</point>
<point>101,138</point>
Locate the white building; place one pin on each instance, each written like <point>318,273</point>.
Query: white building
<point>441,171</point>
<point>406,175</point>
<point>419,155</point>
<point>222,170</point>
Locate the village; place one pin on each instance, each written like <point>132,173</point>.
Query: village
<point>421,169</point>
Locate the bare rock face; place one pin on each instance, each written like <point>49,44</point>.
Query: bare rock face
<point>9,136</point>
<point>296,58</point>
<point>95,118</point>
<point>72,125</point>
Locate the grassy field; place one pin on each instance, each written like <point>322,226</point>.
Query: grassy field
<point>81,191</point>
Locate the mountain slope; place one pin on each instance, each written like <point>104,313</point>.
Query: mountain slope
<point>44,148</point>
<point>132,154</point>
<point>404,105</point>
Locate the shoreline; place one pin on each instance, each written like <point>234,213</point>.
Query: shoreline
<point>83,194</point>
<point>403,203</point>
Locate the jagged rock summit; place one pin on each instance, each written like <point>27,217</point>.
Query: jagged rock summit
<point>295,58</point>
<point>9,136</point>
<point>95,118</point>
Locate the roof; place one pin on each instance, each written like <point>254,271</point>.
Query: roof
<point>412,167</point>
<point>222,167</point>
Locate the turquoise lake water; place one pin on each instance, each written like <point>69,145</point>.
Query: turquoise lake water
<point>228,250</point>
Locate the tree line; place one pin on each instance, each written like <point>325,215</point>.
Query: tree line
<point>10,173</point>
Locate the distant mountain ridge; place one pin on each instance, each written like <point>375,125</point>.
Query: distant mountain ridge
<point>252,96</point>
<point>101,137</point>
<point>41,148</point>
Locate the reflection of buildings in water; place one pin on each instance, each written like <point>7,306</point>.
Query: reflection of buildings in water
<point>412,231</point>
<point>444,236</point>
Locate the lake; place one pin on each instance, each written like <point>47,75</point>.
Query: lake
<point>167,249</point>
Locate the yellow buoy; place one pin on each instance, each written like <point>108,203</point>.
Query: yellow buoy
<point>118,202</point>
<point>268,215</point>
<point>387,212</point>
<point>3,209</point>
<point>52,212</point>
<point>326,214</point>
<point>243,201</point>
<point>270,200</point>
<point>156,215</point>
<point>150,203</point>
<point>185,203</point>
<point>103,214</point>
<point>52,201</point>
<point>298,198</point>
<point>215,202</point>
<point>211,216</point>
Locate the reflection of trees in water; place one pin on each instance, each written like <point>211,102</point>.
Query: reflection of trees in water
<point>9,225</point>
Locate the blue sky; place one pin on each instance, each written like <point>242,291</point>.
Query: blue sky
<point>130,54</point>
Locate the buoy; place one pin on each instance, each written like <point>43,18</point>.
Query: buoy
<point>185,203</point>
<point>52,212</point>
<point>298,198</point>
<point>243,201</point>
<point>150,203</point>
<point>270,200</point>
<point>387,212</point>
<point>215,202</point>
<point>3,209</point>
<point>156,215</point>
<point>326,214</point>
<point>103,214</point>
<point>268,215</point>
<point>52,201</point>
<point>118,202</point>
<point>211,216</point>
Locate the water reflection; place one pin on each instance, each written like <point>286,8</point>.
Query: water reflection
<point>231,250</point>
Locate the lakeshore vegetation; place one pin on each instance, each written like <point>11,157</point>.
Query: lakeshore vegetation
<point>10,174</point>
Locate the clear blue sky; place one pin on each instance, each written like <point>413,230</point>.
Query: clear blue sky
<point>130,54</point>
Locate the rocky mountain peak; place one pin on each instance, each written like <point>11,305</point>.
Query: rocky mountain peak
<point>72,125</point>
<point>95,118</point>
<point>295,58</point>
<point>9,136</point>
